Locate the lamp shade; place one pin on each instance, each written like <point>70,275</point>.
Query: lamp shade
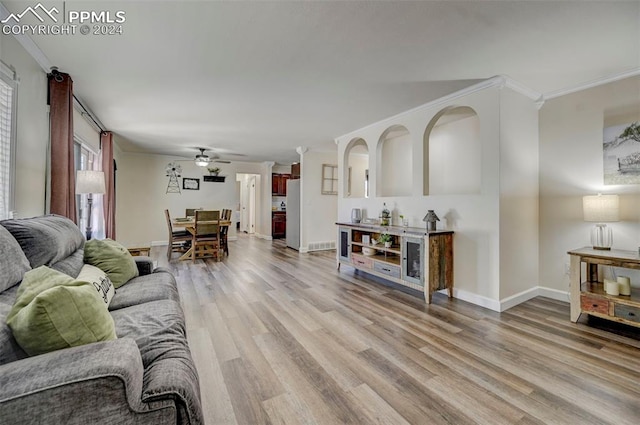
<point>89,182</point>
<point>601,208</point>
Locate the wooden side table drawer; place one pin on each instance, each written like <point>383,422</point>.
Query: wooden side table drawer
<point>626,312</point>
<point>594,304</point>
<point>361,261</point>
<point>388,269</point>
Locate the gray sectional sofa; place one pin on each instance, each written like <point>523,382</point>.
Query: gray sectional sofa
<point>145,376</point>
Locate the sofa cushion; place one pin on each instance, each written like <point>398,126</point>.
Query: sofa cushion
<point>53,311</point>
<point>158,328</point>
<point>100,282</point>
<point>13,263</point>
<point>46,240</point>
<point>142,289</point>
<point>10,351</point>
<point>113,258</point>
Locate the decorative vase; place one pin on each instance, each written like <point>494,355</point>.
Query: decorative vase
<point>387,244</point>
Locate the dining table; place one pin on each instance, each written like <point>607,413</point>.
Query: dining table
<point>189,224</point>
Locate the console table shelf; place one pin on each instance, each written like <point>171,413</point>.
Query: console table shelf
<point>589,297</point>
<point>417,259</point>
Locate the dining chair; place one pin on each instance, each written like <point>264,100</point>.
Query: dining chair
<point>224,231</point>
<point>191,212</point>
<point>206,235</point>
<point>177,239</point>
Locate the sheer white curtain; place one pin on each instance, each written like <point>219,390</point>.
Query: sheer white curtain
<point>7,130</point>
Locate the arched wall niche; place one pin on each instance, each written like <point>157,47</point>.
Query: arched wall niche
<point>394,174</point>
<point>452,162</point>
<point>356,169</point>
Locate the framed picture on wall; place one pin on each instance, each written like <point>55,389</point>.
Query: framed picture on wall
<point>622,154</point>
<point>190,184</point>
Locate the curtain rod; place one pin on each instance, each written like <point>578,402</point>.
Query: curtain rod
<point>86,111</point>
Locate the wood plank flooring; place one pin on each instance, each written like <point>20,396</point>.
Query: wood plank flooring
<point>284,338</point>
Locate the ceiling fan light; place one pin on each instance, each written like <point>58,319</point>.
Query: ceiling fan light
<point>202,162</point>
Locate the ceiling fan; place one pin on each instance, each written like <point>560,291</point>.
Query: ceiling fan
<point>203,160</point>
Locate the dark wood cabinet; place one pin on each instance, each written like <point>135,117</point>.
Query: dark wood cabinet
<point>295,171</point>
<point>279,224</point>
<point>279,184</point>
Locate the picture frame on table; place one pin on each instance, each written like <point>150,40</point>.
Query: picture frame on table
<point>190,184</point>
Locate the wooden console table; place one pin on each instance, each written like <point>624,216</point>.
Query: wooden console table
<point>417,258</point>
<point>588,296</point>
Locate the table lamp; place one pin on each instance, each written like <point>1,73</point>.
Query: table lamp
<point>89,182</point>
<point>601,209</point>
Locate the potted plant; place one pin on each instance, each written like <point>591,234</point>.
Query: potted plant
<point>387,239</point>
<point>213,171</point>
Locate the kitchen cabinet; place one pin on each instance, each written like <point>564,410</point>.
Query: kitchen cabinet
<point>278,224</point>
<point>279,184</point>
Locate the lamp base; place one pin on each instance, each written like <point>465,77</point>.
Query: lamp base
<point>601,237</point>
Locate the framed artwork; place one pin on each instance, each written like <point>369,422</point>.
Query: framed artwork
<point>621,154</point>
<point>190,184</point>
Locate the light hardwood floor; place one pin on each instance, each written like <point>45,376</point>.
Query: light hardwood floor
<point>284,338</point>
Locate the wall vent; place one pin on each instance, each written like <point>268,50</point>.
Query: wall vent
<point>322,246</point>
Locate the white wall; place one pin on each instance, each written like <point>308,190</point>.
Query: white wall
<point>359,163</point>
<point>518,194</point>
<point>571,166</point>
<point>32,129</point>
<point>474,218</point>
<point>453,147</point>
<point>141,195</point>
<point>396,174</point>
<point>318,213</point>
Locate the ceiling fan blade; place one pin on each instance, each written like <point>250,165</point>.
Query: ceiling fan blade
<point>222,161</point>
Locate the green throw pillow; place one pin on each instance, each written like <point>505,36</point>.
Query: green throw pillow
<point>54,311</point>
<point>100,282</point>
<point>112,258</point>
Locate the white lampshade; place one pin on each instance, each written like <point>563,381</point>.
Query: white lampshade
<point>601,208</point>
<point>90,182</point>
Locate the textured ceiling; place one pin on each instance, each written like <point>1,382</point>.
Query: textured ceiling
<point>261,78</point>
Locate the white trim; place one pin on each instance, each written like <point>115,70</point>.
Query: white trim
<point>159,243</point>
<point>265,237</point>
<point>593,83</point>
<point>554,294</point>
<point>29,45</point>
<point>476,299</point>
<point>514,300</point>
<point>303,250</point>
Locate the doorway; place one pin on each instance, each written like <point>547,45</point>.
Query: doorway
<point>248,185</point>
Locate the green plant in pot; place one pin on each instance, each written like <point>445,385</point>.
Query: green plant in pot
<point>387,239</point>
<point>214,171</point>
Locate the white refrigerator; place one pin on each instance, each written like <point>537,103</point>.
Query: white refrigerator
<point>293,214</point>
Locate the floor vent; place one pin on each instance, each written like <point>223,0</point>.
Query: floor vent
<point>322,246</point>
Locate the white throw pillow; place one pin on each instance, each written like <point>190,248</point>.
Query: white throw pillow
<point>100,282</point>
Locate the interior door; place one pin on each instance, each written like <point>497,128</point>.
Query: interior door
<point>252,205</point>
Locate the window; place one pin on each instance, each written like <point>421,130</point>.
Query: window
<point>329,179</point>
<point>7,139</point>
<point>86,159</point>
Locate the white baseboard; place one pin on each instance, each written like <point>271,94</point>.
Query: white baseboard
<point>554,294</point>
<point>476,299</point>
<point>512,301</point>
<point>303,250</point>
<point>159,243</point>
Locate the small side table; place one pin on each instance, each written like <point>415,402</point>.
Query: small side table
<point>140,251</point>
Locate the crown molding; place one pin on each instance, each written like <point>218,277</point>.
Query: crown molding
<point>593,83</point>
<point>29,45</point>
<point>499,81</point>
